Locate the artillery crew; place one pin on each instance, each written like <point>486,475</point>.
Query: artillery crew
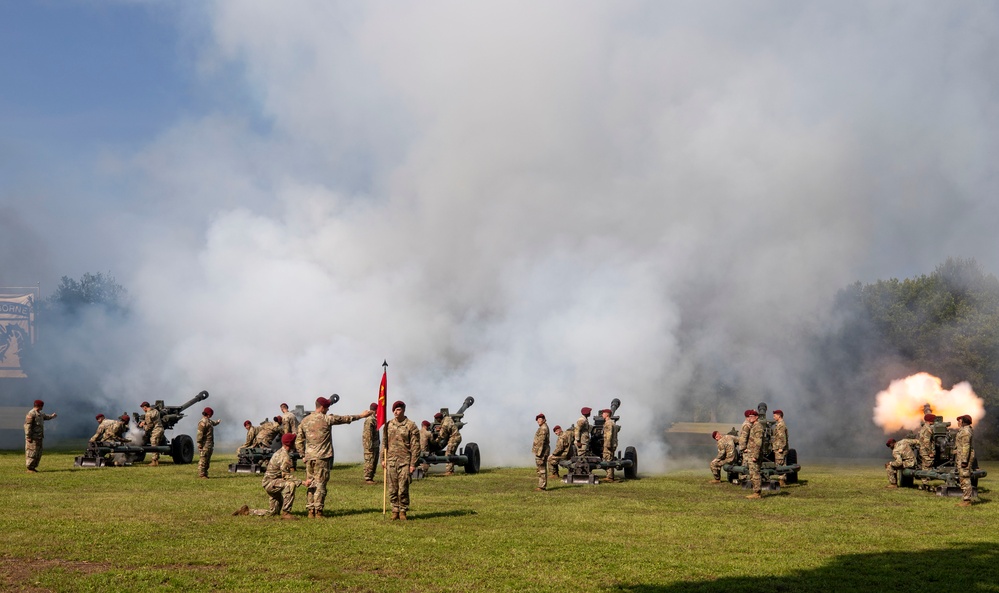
<point>744,432</point>
<point>726,455</point>
<point>582,430</point>
<point>289,422</point>
<point>562,446</point>
<point>903,457</point>
<point>964,457</point>
<point>541,451</point>
<point>778,442</point>
<point>427,443</point>
<point>927,451</point>
<point>610,442</point>
<point>315,444</point>
<point>251,436</point>
<point>267,432</point>
<point>754,453</point>
<point>206,441</point>
<point>402,451</point>
<point>34,435</point>
<point>449,437</point>
<point>279,483</point>
<point>371,443</point>
<point>153,424</point>
<point>104,427</point>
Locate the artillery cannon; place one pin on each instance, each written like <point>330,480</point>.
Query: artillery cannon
<point>180,448</point>
<point>770,472</point>
<point>943,466</point>
<point>581,465</point>
<point>468,457</point>
<point>254,460</point>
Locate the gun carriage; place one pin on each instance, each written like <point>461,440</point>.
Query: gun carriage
<point>467,457</point>
<point>254,460</point>
<point>943,466</point>
<point>738,471</point>
<point>180,448</point>
<point>581,465</point>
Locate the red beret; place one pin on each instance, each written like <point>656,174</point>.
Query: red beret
<point>715,434</point>
<point>746,413</point>
<point>278,419</point>
<point>437,416</point>
<point>124,417</point>
<point>322,402</point>
<point>283,406</point>
<point>780,412</point>
<point>557,427</point>
<point>586,411</point>
<point>930,418</point>
<point>399,404</point>
<point>247,423</point>
<point>890,444</point>
<point>39,403</point>
<point>144,405</point>
<point>606,410</point>
<point>426,423</point>
<point>966,418</point>
<point>207,412</point>
<point>288,439</point>
<point>99,416</point>
<point>373,407</point>
<point>542,416</point>
<point>751,413</point>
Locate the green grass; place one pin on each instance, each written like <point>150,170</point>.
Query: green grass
<point>160,529</point>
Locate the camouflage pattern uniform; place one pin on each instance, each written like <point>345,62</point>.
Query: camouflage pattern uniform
<point>402,452</point>
<point>266,433</point>
<point>206,444</point>
<point>902,457</point>
<point>450,438</point>
<point>279,483</point>
<point>371,443</point>
<point>964,459</point>
<point>153,424</point>
<point>34,434</point>
<point>104,431</point>
<point>289,423</point>
<point>926,450</point>
<point>118,430</point>
<point>561,451</point>
<point>582,430</point>
<point>541,451</point>
<point>726,455</point>
<point>754,450</point>
<point>744,436</point>
<point>779,444</point>
<point>251,438</point>
<point>610,445</point>
<point>315,444</point>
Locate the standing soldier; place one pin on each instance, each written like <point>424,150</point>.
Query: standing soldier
<point>103,426</point>
<point>34,434</point>
<point>927,452</point>
<point>964,457</point>
<point>153,425</point>
<point>541,451</point>
<point>562,445</point>
<point>610,442</point>
<point>754,453</point>
<point>370,442</point>
<point>902,457</point>
<point>726,455</point>
<point>744,440</point>
<point>448,437</point>
<point>315,444</point>
<point>279,483</point>
<point>251,436</point>
<point>426,444</point>
<point>778,442</point>
<point>582,430</point>
<point>289,422</point>
<point>402,450</point>
<point>267,432</point>
<point>206,441</point>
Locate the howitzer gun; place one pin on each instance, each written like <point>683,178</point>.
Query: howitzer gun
<point>942,466</point>
<point>254,460</point>
<point>770,473</point>
<point>468,457</point>
<point>582,463</point>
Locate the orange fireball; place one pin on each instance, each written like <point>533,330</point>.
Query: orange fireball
<point>901,405</point>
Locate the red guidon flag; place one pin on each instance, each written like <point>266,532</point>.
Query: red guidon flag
<point>382,394</point>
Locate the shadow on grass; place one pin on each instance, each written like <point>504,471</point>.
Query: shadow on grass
<point>349,512</point>
<point>964,567</point>
<point>455,513</point>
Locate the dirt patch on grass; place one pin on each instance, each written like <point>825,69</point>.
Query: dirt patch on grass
<point>18,574</point>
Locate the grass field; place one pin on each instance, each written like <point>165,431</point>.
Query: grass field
<point>160,529</point>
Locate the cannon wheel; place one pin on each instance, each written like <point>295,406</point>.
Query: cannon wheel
<point>182,449</point>
<point>792,459</point>
<point>631,472</point>
<point>974,468</point>
<point>905,481</point>
<point>472,453</point>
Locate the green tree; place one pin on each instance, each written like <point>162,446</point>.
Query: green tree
<point>90,290</point>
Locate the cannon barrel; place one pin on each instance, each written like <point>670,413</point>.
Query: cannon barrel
<point>467,404</point>
<point>333,398</point>
<point>615,404</point>
<point>200,397</point>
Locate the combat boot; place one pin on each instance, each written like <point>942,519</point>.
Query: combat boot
<point>715,481</point>
<point>402,516</point>
<point>154,463</point>
<point>892,486</point>
<point>243,510</point>
<point>754,495</point>
<point>288,516</point>
<point>964,503</point>
<point>395,515</point>
<point>369,482</point>
<point>448,473</point>
<point>312,514</point>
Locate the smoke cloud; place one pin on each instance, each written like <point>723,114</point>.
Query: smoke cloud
<point>544,207</point>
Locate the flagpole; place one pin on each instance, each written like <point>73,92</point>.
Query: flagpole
<point>383,404</point>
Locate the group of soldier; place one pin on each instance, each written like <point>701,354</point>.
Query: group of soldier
<point>904,455</point>
<point>750,446</point>
<point>578,436</point>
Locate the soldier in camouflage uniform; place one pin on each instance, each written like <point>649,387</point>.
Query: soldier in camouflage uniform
<point>402,451</point>
<point>251,436</point>
<point>744,440</point>
<point>902,457</point>
<point>371,443</point>
<point>315,444</point>
<point>778,442</point>
<point>34,434</point>
<point>153,424</point>
<point>754,453</point>
<point>427,443</point>
<point>541,451</point>
<point>267,432</point>
<point>927,451</point>
<point>610,442</point>
<point>582,431</point>
<point>279,483</point>
<point>103,426</point>
<point>562,445</point>
<point>289,422</point>
<point>726,455</point>
<point>964,457</point>
<point>449,437</point>
<point>117,430</point>
<point>206,441</point>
